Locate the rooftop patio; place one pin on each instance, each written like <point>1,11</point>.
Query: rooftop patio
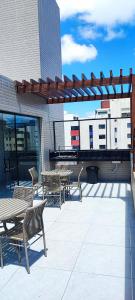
<point>90,250</point>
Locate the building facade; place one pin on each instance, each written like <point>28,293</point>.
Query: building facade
<point>29,48</point>
<point>109,128</point>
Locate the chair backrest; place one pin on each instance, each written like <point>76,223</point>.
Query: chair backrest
<point>79,176</point>
<point>18,192</point>
<point>52,182</point>
<point>33,221</point>
<point>34,175</point>
<point>24,193</point>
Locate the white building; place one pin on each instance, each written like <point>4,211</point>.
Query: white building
<point>110,128</point>
<point>29,48</point>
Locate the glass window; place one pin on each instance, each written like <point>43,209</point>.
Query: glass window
<point>102,136</point>
<point>128,125</point>
<point>115,129</point>
<point>102,146</point>
<point>74,127</point>
<point>129,135</point>
<point>115,140</point>
<point>101,126</point>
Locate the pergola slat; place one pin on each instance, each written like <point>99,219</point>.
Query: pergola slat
<point>113,86</point>
<point>98,87</point>
<point>102,78</point>
<point>86,90</point>
<point>79,91</point>
<point>76,89</point>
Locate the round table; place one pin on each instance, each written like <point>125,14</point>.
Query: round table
<point>11,207</point>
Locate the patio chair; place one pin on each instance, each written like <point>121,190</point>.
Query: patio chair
<point>31,228</point>
<point>54,188</point>
<point>23,193</point>
<point>35,182</point>
<point>64,179</point>
<point>76,185</point>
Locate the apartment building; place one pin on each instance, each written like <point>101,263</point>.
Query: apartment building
<point>29,48</point>
<point>108,128</point>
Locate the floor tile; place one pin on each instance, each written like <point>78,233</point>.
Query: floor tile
<point>84,286</point>
<point>108,235</point>
<point>105,260</point>
<point>68,232</point>
<point>42,284</point>
<point>60,254</point>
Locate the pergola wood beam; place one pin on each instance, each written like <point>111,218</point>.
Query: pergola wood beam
<point>130,84</point>
<point>74,85</point>
<point>91,98</point>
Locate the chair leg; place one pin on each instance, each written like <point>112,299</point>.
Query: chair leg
<point>60,200</point>
<point>27,258</point>
<point>4,225</point>
<point>18,252</point>
<point>43,192</point>
<point>44,242</point>
<point>64,194</point>
<point>80,190</point>
<point>1,255</point>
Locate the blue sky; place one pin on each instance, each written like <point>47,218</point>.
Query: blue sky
<point>97,35</point>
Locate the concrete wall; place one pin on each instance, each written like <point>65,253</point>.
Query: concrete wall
<point>108,172</point>
<point>49,39</point>
<point>19,39</point>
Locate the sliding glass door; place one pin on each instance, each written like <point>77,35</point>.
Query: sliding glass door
<point>19,147</point>
<point>28,145</point>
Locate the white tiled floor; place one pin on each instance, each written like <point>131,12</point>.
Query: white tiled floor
<point>91,251</point>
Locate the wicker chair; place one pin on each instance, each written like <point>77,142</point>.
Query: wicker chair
<point>76,185</point>
<point>35,182</point>
<point>32,226</point>
<point>25,194</point>
<point>54,188</point>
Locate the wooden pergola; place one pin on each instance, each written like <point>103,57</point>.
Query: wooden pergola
<point>86,89</point>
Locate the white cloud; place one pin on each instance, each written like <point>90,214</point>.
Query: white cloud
<point>99,12</point>
<point>112,34</point>
<point>89,32</point>
<point>73,52</point>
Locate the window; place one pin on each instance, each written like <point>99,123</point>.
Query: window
<point>125,115</point>
<point>90,128</point>
<point>102,146</point>
<point>74,127</point>
<point>129,135</point>
<point>91,136</point>
<point>115,129</point>
<point>115,140</point>
<point>128,125</point>
<point>75,147</point>
<point>101,126</point>
<point>102,112</point>
<point>102,136</point>
<point>75,138</point>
